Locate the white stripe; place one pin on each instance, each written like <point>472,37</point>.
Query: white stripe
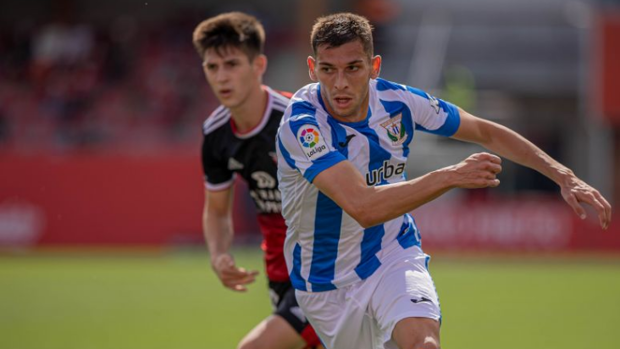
<point>279,107</point>
<point>219,117</point>
<point>307,239</point>
<point>280,98</point>
<point>348,245</point>
<point>219,112</point>
<point>221,186</point>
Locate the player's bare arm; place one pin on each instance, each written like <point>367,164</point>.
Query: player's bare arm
<point>513,146</point>
<point>372,205</point>
<point>218,231</point>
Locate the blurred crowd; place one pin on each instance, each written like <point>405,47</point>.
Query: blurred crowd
<point>66,84</point>
<point>128,81</point>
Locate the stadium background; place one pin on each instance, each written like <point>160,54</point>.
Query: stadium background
<point>101,106</point>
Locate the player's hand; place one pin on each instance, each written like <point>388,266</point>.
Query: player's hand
<point>575,191</point>
<point>477,171</point>
<point>231,276</point>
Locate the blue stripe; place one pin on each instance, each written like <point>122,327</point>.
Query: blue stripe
<point>409,235</point>
<point>297,281</point>
<point>303,113</point>
<point>318,95</point>
<point>339,135</point>
<point>395,108</point>
<point>287,156</point>
<point>328,218</point>
<point>371,244</point>
<point>377,154</point>
<point>417,91</point>
<point>321,164</point>
<point>300,108</point>
<point>302,120</point>
<point>384,85</point>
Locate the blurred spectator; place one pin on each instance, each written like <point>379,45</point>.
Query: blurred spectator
<point>124,84</point>
<point>381,13</point>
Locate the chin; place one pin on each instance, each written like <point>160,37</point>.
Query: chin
<point>229,103</point>
<point>345,113</point>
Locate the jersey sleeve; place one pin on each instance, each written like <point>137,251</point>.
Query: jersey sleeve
<point>431,114</point>
<point>303,147</point>
<point>216,172</point>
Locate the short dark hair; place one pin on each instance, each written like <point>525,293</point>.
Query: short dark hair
<point>232,29</point>
<point>341,28</point>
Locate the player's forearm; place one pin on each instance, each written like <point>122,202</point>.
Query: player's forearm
<point>218,234</point>
<point>372,205</point>
<point>387,202</point>
<point>516,148</point>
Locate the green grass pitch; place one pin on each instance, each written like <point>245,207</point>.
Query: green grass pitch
<point>120,301</point>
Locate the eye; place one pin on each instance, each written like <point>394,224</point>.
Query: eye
<point>210,66</point>
<point>326,69</point>
<point>353,68</point>
<point>232,64</point>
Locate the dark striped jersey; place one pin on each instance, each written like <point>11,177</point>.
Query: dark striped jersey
<point>227,153</point>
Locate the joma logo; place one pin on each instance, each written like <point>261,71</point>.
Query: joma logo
<point>386,171</point>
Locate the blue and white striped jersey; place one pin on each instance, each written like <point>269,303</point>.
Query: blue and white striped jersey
<point>325,248</point>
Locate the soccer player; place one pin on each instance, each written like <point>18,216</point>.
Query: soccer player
<point>352,248</point>
<point>239,139</point>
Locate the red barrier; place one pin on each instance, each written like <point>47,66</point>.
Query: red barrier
<point>605,66</point>
<point>105,199</point>
<point>125,200</point>
<point>533,223</point>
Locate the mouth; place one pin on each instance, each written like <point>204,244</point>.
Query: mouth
<point>225,93</point>
<point>342,102</point>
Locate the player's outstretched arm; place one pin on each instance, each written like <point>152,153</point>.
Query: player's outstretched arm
<point>511,145</point>
<point>370,206</point>
<point>218,232</point>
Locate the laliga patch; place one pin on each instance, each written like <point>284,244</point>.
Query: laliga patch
<point>312,142</point>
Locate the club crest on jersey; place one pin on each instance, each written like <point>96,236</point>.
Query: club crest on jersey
<point>312,142</point>
<point>395,129</point>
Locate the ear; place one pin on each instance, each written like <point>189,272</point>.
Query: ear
<point>376,67</point>
<point>260,64</point>
<point>311,66</point>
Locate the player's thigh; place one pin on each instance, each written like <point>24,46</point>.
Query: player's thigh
<point>340,318</point>
<point>415,333</point>
<point>272,333</point>
<point>406,290</point>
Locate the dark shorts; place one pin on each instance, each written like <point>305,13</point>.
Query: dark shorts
<point>283,300</point>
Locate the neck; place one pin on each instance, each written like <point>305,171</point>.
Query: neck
<point>249,114</point>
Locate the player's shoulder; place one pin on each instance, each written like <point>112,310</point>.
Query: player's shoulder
<point>305,104</point>
<point>283,95</point>
<point>216,120</point>
<point>386,88</point>
<point>279,99</point>
<point>381,85</point>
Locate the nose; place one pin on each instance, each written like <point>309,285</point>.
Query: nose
<point>341,81</point>
<point>221,75</point>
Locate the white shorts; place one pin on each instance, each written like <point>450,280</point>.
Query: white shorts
<point>363,315</point>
